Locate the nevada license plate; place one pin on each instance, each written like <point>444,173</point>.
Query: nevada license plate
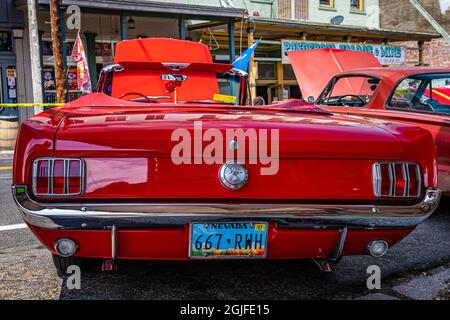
<point>228,240</point>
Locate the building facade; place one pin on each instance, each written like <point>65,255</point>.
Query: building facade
<point>363,13</point>
<point>100,30</point>
<point>11,28</point>
<point>401,15</point>
<point>227,26</point>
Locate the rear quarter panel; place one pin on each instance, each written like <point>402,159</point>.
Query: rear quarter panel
<point>438,126</point>
<point>35,139</point>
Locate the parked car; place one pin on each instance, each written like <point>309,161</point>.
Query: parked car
<point>354,83</point>
<point>162,163</point>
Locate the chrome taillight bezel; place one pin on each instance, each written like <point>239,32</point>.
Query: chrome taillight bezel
<point>377,179</point>
<point>51,162</point>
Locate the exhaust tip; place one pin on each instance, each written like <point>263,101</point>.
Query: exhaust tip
<point>377,248</point>
<point>66,247</point>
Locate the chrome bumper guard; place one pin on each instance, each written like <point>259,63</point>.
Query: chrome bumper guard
<point>94,216</point>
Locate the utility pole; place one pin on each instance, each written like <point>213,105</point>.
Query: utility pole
<point>251,64</point>
<point>60,76</point>
<point>36,71</point>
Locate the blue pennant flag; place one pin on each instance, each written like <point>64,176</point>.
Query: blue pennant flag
<point>241,63</point>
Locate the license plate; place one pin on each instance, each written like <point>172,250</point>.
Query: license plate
<point>228,240</point>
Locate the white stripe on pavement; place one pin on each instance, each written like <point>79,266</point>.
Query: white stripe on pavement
<point>13,227</point>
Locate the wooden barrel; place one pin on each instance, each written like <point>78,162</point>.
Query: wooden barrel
<point>9,126</point>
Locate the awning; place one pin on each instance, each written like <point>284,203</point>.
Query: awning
<point>314,28</point>
<point>150,7</point>
<point>274,30</point>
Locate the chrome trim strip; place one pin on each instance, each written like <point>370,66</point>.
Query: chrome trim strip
<point>114,239</point>
<point>340,245</point>
<point>407,178</point>
<point>147,215</point>
<point>376,177</point>
<point>66,176</point>
<point>393,180</point>
<point>419,181</point>
<point>51,174</point>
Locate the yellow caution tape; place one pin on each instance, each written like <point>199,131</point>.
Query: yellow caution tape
<point>27,105</point>
<point>224,98</point>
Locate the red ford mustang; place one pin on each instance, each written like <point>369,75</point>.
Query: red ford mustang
<point>354,83</point>
<point>164,163</point>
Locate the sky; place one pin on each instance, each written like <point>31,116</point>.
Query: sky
<point>445,5</point>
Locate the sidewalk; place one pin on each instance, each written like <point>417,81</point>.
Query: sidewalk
<point>430,285</point>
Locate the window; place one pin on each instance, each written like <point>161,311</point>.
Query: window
<point>349,91</point>
<point>357,5</point>
<point>422,93</point>
<point>327,3</point>
<point>288,72</point>
<point>266,71</point>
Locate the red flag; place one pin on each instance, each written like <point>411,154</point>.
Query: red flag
<point>79,56</point>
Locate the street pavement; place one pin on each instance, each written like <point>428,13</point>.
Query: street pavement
<point>420,261</point>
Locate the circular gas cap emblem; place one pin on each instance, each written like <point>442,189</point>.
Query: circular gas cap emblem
<point>233,175</point>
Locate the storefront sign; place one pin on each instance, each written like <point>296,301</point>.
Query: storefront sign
<point>11,81</point>
<point>11,73</point>
<point>385,54</point>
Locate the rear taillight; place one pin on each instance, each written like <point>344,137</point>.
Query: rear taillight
<point>396,179</point>
<point>58,176</point>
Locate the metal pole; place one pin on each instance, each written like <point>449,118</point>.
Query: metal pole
<point>231,41</point>
<point>420,45</point>
<point>57,54</point>
<point>251,65</point>
<point>232,53</point>
<point>181,28</point>
<point>35,57</point>
<point>123,27</point>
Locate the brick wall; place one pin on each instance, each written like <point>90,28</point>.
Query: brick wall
<point>437,53</point>
<point>401,15</point>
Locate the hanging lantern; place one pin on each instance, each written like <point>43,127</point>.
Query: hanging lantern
<point>131,23</point>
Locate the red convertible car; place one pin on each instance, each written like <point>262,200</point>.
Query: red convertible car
<point>162,162</point>
<point>354,83</point>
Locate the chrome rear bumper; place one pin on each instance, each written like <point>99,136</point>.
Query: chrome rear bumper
<point>91,216</point>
